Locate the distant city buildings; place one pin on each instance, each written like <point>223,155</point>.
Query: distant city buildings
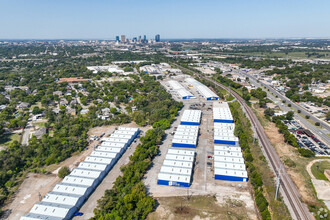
<point>117,38</point>
<point>157,38</point>
<point>123,38</point>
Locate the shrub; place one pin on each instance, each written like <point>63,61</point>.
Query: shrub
<point>317,123</point>
<point>306,153</point>
<point>63,172</point>
<point>307,116</point>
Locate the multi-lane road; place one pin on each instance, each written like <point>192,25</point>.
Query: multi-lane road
<point>322,133</point>
<point>288,189</point>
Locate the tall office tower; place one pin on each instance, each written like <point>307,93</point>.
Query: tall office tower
<point>145,39</point>
<point>123,38</point>
<point>134,39</point>
<point>140,39</point>
<point>117,38</point>
<point>157,38</point>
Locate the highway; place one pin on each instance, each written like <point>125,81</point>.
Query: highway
<point>288,189</point>
<point>321,133</point>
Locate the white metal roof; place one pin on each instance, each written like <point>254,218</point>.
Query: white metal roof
<point>221,105</point>
<point>101,160</point>
<point>228,172</point>
<point>187,127</point>
<point>228,153</point>
<point>33,216</point>
<point>184,93</point>
<point>115,140</point>
<point>128,129</point>
<point>112,144</point>
<point>175,85</point>
<point>193,133</point>
<point>184,141</point>
<point>191,116</point>
<point>226,126</point>
<point>104,154</point>
<point>181,151</point>
<point>179,157</point>
<point>184,137</point>
<point>176,170</point>
<point>176,163</point>
<point>82,172</point>
<point>222,113</point>
<point>71,189</point>
<point>61,198</point>
<point>229,159</point>
<point>78,180</point>
<point>92,166</point>
<point>109,149</point>
<point>131,133</point>
<point>205,91</point>
<point>51,209</point>
<point>227,148</point>
<point>122,136</point>
<point>226,138</point>
<point>230,166</point>
<point>174,177</point>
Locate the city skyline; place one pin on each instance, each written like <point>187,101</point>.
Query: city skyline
<point>209,19</point>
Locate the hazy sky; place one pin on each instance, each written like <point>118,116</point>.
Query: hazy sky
<point>104,19</point>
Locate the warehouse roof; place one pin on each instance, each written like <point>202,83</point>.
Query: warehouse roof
<point>101,160</point>
<point>71,188</point>
<point>75,180</point>
<point>92,166</point>
<point>229,159</point>
<point>61,198</point>
<point>98,153</point>
<point>174,177</point>
<point>34,216</point>
<point>228,172</point>
<point>82,172</point>
<point>51,209</point>
<point>179,157</point>
<point>177,163</point>
<point>229,166</point>
<point>175,170</point>
<point>182,152</point>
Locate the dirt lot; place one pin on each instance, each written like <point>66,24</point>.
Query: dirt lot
<point>199,207</point>
<point>28,193</point>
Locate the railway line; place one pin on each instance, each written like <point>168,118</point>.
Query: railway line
<point>290,192</point>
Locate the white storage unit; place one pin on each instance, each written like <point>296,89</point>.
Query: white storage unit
<point>184,143</point>
<point>229,159</point>
<point>64,198</point>
<point>224,126</point>
<point>174,180</point>
<point>98,153</point>
<point>69,195</point>
<point>183,133</point>
<point>117,150</point>
<point>192,137</point>
<point>115,140</point>
<point>231,175</point>
<point>222,113</point>
<point>177,163</point>
<point>181,152</point>
<point>187,128</point>
<point>54,210</point>
<point>229,166</point>
<point>228,153</point>
<point>112,144</point>
<point>88,173</point>
<point>100,160</point>
<point>227,148</point>
<point>137,130</point>
<point>191,117</point>
<point>228,140</point>
<point>176,170</point>
<point>83,181</point>
<point>93,166</point>
<point>79,190</point>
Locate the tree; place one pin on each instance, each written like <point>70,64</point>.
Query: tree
<point>63,172</point>
<point>317,123</point>
<point>36,110</point>
<point>289,115</point>
<point>307,116</point>
<point>269,112</point>
<point>299,111</point>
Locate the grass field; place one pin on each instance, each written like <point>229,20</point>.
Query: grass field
<point>8,138</point>
<point>318,170</point>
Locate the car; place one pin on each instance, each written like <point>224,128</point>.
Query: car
<point>78,214</point>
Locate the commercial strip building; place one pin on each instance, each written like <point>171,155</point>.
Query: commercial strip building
<point>68,196</point>
<point>228,158</point>
<point>180,90</point>
<point>207,93</point>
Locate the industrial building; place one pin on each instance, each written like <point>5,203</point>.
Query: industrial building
<point>180,90</point>
<point>67,197</point>
<point>228,158</point>
<point>222,113</point>
<point>191,117</point>
<point>207,93</point>
<point>177,168</point>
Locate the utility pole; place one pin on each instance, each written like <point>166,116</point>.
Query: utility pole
<point>278,181</point>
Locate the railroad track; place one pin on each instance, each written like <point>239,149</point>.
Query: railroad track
<point>291,193</point>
